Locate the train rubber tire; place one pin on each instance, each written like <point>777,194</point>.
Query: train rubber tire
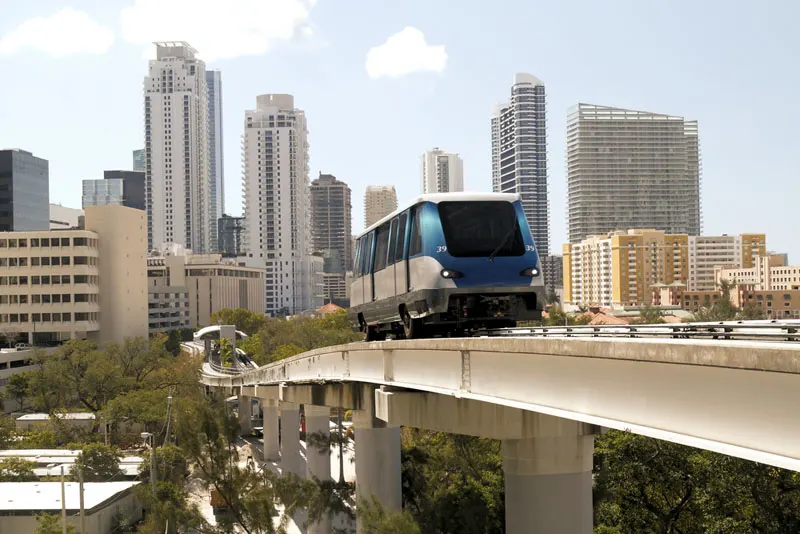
<point>373,334</point>
<point>413,328</point>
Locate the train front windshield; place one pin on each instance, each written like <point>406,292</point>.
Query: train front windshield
<point>481,229</point>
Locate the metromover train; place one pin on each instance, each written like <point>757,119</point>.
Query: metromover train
<point>448,263</point>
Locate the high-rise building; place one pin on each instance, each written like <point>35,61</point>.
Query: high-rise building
<point>177,182</point>
<point>123,188</point>
<point>331,226</point>
<point>733,251</point>
<point>379,201</point>
<point>24,191</point>
<point>215,146</point>
<point>138,160</point>
<point>519,155</point>
<point>631,169</point>
<point>275,185</point>
<point>442,172</point>
<point>231,239</point>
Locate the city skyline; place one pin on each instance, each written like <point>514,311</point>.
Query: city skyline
<point>442,107</point>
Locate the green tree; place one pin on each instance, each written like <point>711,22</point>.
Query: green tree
<point>98,462</point>
<point>14,469</point>
<point>647,485</point>
<point>750,311</point>
<point>51,524</point>
<point>375,519</point>
<point>722,309</point>
<point>453,483</point>
<point>17,388</point>
<point>245,320</point>
<point>650,315</point>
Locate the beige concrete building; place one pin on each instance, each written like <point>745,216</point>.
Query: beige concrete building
<point>76,284</point>
<point>776,304</point>
<point>379,201</point>
<point>767,273</point>
<point>185,289</point>
<point>167,294</point>
<point>709,252</point>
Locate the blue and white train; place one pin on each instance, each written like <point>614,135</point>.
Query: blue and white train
<point>447,263</point>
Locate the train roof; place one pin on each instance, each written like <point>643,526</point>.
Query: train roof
<point>444,197</point>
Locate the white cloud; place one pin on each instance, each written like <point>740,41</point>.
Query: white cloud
<point>403,53</point>
<point>63,33</point>
<point>218,30</point>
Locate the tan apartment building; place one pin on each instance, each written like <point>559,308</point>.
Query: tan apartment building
<point>644,266</point>
<point>709,252</point>
<point>379,201</point>
<point>625,268</point>
<point>85,283</point>
<point>185,289</point>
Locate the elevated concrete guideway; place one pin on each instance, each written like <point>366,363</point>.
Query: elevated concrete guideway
<point>546,398</point>
<point>735,397</point>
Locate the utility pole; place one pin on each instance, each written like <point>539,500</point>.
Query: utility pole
<point>63,504</point>
<point>169,416</point>
<point>153,464</point>
<point>80,489</point>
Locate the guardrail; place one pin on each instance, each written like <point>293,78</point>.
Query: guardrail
<point>743,330</point>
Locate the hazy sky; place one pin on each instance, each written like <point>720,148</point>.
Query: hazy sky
<point>381,81</point>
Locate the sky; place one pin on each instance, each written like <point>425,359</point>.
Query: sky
<point>382,81</point>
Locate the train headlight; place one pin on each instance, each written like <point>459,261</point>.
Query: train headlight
<point>450,273</point>
<point>530,271</point>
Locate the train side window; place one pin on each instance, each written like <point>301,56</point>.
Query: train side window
<point>381,247</point>
<point>415,246</point>
<point>401,238</point>
<point>392,243</point>
<point>366,264</point>
<point>357,258</point>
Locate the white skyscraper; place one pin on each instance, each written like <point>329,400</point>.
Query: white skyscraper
<point>216,161</point>
<point>275,184</point>
<point>442,172</point>
<point>177,186</point>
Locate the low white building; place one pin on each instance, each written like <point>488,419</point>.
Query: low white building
<point>35,421</point>
<point>105,504</point>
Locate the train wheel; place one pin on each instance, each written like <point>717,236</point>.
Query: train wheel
<point>373,334</point>
<point>413,328</point>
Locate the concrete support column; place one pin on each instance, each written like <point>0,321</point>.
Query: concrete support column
<point>291,462</point>
<point>377,452</point>
<point>318,457</point>
<point>245,416</point>
<point>548,481</point>
<point>271,442</point>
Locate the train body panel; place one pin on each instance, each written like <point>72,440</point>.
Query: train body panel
<point>462,260</point>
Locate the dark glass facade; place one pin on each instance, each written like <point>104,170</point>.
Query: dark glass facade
<point>229,230</point>
<point>24,192</point>
<point>133,187</point>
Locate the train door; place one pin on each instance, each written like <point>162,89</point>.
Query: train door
<point>383,275</point>
<point>357,285</point>
<point>414,247</point>
<point>390,262</point>
<point>366,269</point>
<point>401,264</point>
